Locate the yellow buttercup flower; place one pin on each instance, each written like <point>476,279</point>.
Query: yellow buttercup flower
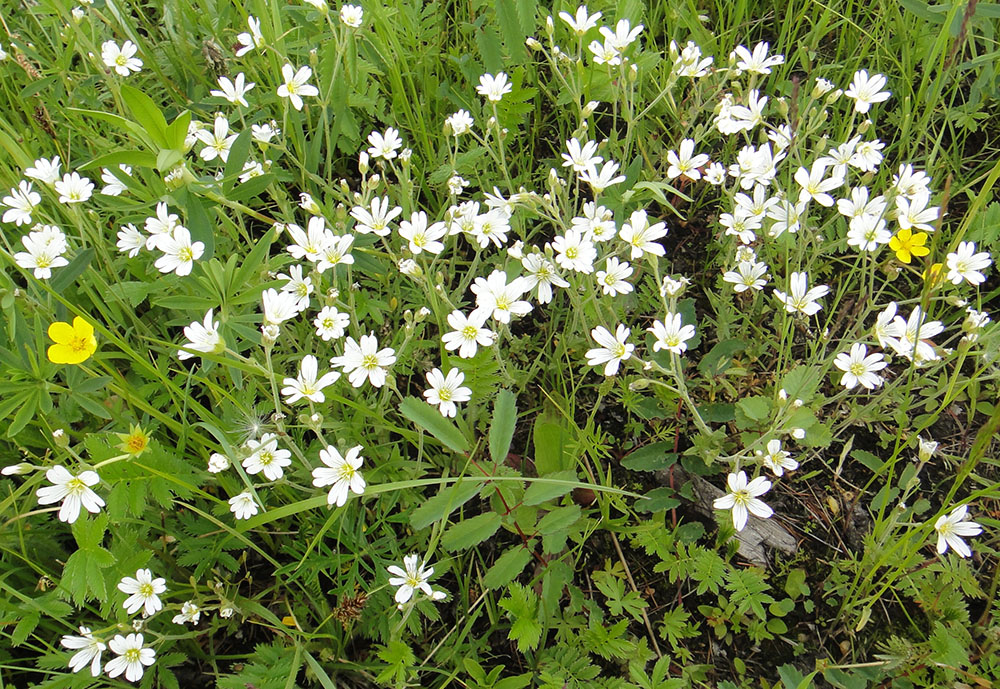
<point>135,441</point>
<point>74,344</point>
<point>908,244</point>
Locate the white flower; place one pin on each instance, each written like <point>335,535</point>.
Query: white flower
<point>671,334</point>
<point>376,218</point>
<point>384,145</point>
<point>73,188</point>
<point>950,529</point>
<point>467,333</point>
<point>641,236</point>
<point>43,170</point>
<point>279,306</point>
<point>296,86</point>
<point>421,236</point>
<point>457,184</point>
<point>132,657</point>
<point>885,330</point>
<point>352,16</point>
<point>494,88</point>
<point>575,252</point>
<point>217,463</point>
<point>911,338</point>
<point>911,183</point>
<point>582,22</point>
<point>217,142</point>
<point>614,349</point>
<point>189,611</point>
<point>868,156</point>
<point>614,278</point>
<point>742,499</point>
<point>446,391</point>
<point>179,252</point>
<point>757,62</point>
<point>926,449</point>
<point>234,91</point>
<point>673,288</point>
<point>22,202</point>
<point>597,223</point>
<point>145,592</point>
<point>413,577</point>
<point>123,59</point>
<point>250,40</point>
<point>266,457</point>
<point>814,187</point>
<point>776,459</point>
<point>491,226</point>
<point>495,296</point>
<point>581,157</point>
<point>787,217</point>
<point>859,367</point>
<point>88,651</point>
<point>913,213</point>
<point>243,506</point>
<point>599,180</point>
<point>331,323</point>
<point>112,185</point>
<point>604,53</point>
<point>342,472</point>
<point>298,285</point>
<point>311,243</point>
<point>689,62</point>
<point>202,337</point>
<point>800,298</point>
<point>265,132</point>
<point>162,226</point>
<point>44,251</point>
<point>868,233</point>
<point>623,35</point>
<point>685,162</point>
<point>459,123</point>
<point>866,90</point>
<point>365,360</point>
<point>251,169</point>
<point>747,276</point>
<point>72,491</point>
<point>541,274</point>
<point>965,264</point>
<point>307,385</point>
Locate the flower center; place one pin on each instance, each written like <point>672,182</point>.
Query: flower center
<point>619,350</point>
<point>75,486</point>
<point>444,394</point>
<point>470,332</point>
<point>78,344</point>
<point>265,457</point>
<point>369,362</point>
<point>132,655</point>
<point>858,368</point>
<point>146,590</point>
<point>185,255</point>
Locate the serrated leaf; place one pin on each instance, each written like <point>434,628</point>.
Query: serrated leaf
<point>755,408</point>
<point>469,532</point>
<point>507,566</point>
<point>502,427</point>
<point>801,382</point>
<point>488,43</point>
<point>428,418</point>
<point>541,491</point>
<point>559,519</point>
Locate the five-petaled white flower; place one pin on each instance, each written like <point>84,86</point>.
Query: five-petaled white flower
<point>743,498</point>
<point>266,457</point>
<point>364,360</point>
<point>296,86</point>
<point>189,610</point>
<point>748,275</point>
<point>799,297</point>
<point>88,651</point>
<point>202,337</point>
<point>234,91</point>
<point>582,22</point>
<point>122,60</point>
<point>44,251</point>
<point>601,179</point>
<point>671,334</point>
<point>865,90</point>
<point>217,142</point>
<point>950,529</point>
<point>614,348</point>
<point>446,391</point>
<point>641,236</point>
<point>73,188</point>
<point>413,576</point>
<point>581,157</point>
<point>352,16</point>
<point>179,252</point>
<point>614,278</point>
<point>685,162</point>
<point>132,657</point>
<point>72,491</point>
<point>496,297</point>
<point>859,367</point>
<point>494,88</point>
<point>965,264</point>
<point>342,472</point>
<point>331,324</point>
<point>21,203</point>
<point>307,385</point>
<point>421,236</point>
<point>467,333</point>
<point>376,218</point>
<point>144,590</point>
<point>384,145</point>
<point>777,460</point>
<point>243,506</point>
<point>249,40</point>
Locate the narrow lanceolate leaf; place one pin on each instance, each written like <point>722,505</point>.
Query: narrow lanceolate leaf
<point>507,566</point>
<point>428,418</point>
<point>448,499</point>
<point>147,114</point>
<point>552,486</point>
<point>502,428</point>
<point>470,532</point>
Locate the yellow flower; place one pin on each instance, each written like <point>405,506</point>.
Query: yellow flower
<point>134,442</point>
<point>933,275</point>
<point>74,344</point>
<point>908,244</point>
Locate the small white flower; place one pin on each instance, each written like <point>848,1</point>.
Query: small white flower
<point>384,145</point>
<point>865,90</point>
<point>743,499</point>
<point>22,202</point>
<point>331,324</point>
<point>132,657</point>
<point>952,527</point>
<point>965,264</point>
<point>757,62</point>
<point>800,298</point>
<point>202,337</point>
<point>467,333</point>
<point>122,60</point>
<point>623,36</point>
<point>582,22</point>
<point>217,463</point>
<point>748,275</point>
<point>410,579</point>
<point>234,91</point>
<point>859,367</point>
<point>581,157</point>
<point>352,16</point>
<point>496,297</point>
<point>446,391</point>
<point>641,236</point>
<point>926,449</point>
<point>364,360</point>
<point>296,85</point>
<point>307,385</point>
<point>74,189</point>
<point>376,218</point>
<point>614,278</point>
<point>494,88</point>
<point>162,226</point>
<point>189,611</point>
<point>298,285</point>
<point>144,590</point>
<point>279,306</point>
<point>46,171</point>
<point>267,457</point>
<point>341,471</point>
<point>265,132</point>
<point>575,252</point>
<point>671,334</point>
<point>179,252</point>
<point>599,180</point>
<point>73,491</point>
<point>88,651</point>
<point>44,251</point>
<point>684,162</point>
<point>459,123</point>
<point>776,459</point>
<point>422,237</point>
<point>613,349</point>
<point>243,506</point>
<point>217,142</point>
<point>250,40</point>
<point>112,185</point>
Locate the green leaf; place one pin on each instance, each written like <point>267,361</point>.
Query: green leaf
<point>558,519</point>
<point>176,132</point>
<point>720,357</point>
<point>488,43</point>
<point>428,418</point>
<point>946,648</point>
<point>868,459</point>
<point>502,428</point>
<point>507,566</point>
<point>521,605</point>
<point>540,491</point>
<point>200,225</point>
<point>147,114</point>
<point>448,499</point>
<point>801,382</point>
<point>470,532</point>
<point>238,153</point>
<point>64,277</point>
<point>755,408</point>
<point>133,158</point>
<point>251,264</point>
<point>652,457</point>
<point>550,439</point>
